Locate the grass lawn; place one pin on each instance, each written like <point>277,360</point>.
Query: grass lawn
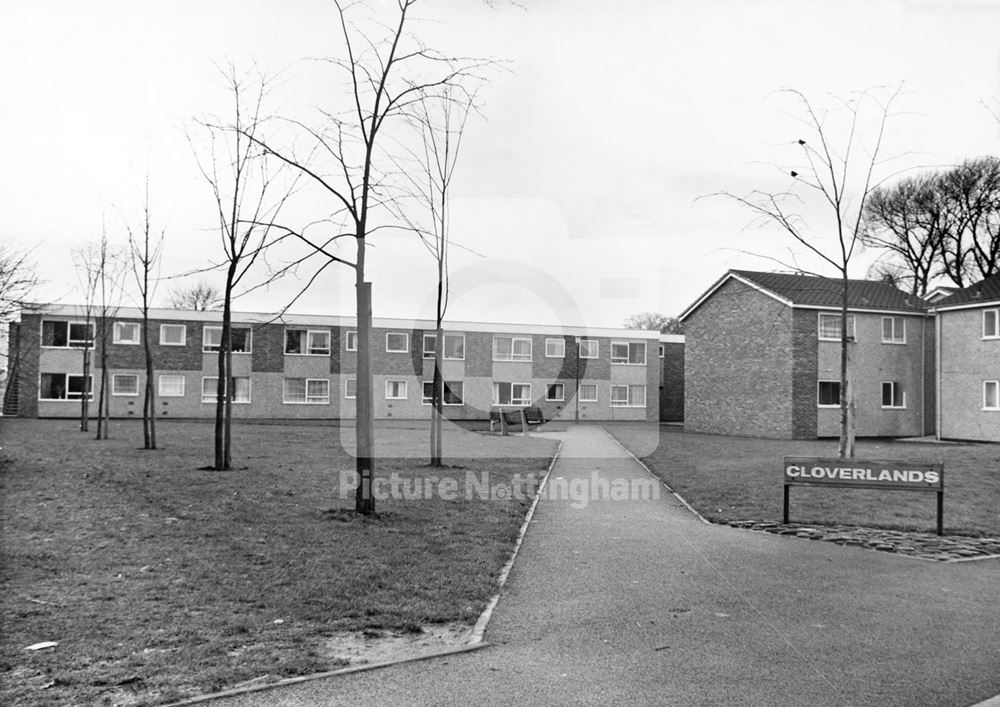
<point>161,581</point>
<point>740,478</point>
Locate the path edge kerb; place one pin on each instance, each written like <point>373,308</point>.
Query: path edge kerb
<point>474,642</point>
<point>479,629</point>
<point>663,483</point>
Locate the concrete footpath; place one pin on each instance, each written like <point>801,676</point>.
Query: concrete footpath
<point>639,602</point>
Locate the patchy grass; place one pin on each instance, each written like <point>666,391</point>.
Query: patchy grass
<point>160,581</point>
<point>740,478</point>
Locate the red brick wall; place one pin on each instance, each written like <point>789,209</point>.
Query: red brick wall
<point>672,380</point>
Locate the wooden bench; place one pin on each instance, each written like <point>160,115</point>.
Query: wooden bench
<point>525,417</point>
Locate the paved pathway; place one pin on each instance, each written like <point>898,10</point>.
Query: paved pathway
<point>640,603</point>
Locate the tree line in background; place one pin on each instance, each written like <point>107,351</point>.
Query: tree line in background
<point>941,223</point>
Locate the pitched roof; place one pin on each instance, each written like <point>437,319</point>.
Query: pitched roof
<point>808,290</point>
<point>982,292</point>
<point>821,292</point>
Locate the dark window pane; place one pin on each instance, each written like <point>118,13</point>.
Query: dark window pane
<point>293,341</point>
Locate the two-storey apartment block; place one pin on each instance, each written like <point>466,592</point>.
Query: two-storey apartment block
<point>762,358</point>
<point>968,371</point>
<point>305,367</point>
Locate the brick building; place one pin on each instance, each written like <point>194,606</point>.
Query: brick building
<point>304,367</point>
<point>762,358</point>
<point>968,371</point>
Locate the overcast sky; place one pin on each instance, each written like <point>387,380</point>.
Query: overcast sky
<point>577,193</point>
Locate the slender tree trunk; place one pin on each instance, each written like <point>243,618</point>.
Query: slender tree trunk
<point>149,401</point>
<point>845,448</point>
<point>222,416</point>
<point>364,501</point>
<point>84,397</point>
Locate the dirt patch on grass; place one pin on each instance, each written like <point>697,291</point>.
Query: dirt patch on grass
<point>377,645</point>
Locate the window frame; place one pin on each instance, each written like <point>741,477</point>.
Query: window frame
<point>117,339</point>
<point>428,354</point>
<point>561,345</point>
<point>348,335</point>
<point>852,326</point>
<point>66,393</point>
<point>661,351</point>
<point>996,323</point>
<point>71,343</point>
<point>894,388</point>
<point>597,348</point>
<point>521,401</point>
<point>316,400</point>
<point>629,387</point>
<point>627,361</point>
<point>159,385</point>
<point>840,394</point>
<point>214,396</point>
<point>406,345</point>
<point>894,339</point>
<point>114,380</point>
<point>214,348</point>
<point>398,382</point>
<point>579,392</point>
<point>514,340</point>
<point>996,395</point>
<point>449,387</point>
<point>548,393</point>
<point>347,389</point>
<point>307,342</point>
<point>182,327</point>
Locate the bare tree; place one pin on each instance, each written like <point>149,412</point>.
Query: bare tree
<point>243,191</point>
<point>971,201</point>
<point>654,321</point>
<point>440,119</point>
<point>87,259</point>
<point>18,279</point>
<point>110,266</point>
<point>201,297</point>
<point>907,219</point>
<point>145,249</point>
<point>839,172</point>
<point>388,72</point>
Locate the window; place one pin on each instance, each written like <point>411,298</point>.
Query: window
<point>628,396</point>
<point>512,394</point>
<point>454,346</point>
<point>555,392</point>
<point>350,388</point>
<point>311,391</point>
<point>67,334</point>
<point>241,389</point>
<point>893,330</point>
<point>124,384</point>
<point>239,339</point>
<point>829,327</point>
<point>307,341</point>
<point>588,393</point>
<point>589,348</point>
<point>453,393</point>
<point>171,386</point>
<point>511,348</point>
<point>351,341</point>
<point>395,390</point>
<point>893,395</point>
<point>828,393</point>
<point>628,352</point>
<point>661,350</point>
<point>991,395</point>
<point>125,333</point>
<point>991,323</point>
<point>555,348</point>
<point>64,386</point>
<point>173,335</point>
<point>397,342</point>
